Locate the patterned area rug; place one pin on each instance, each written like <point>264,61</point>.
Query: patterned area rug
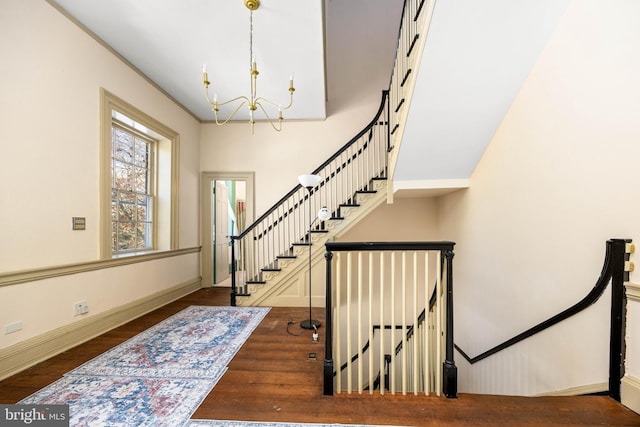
<point>195,343</point>
<point>125,401</point>
<point>160,376</point>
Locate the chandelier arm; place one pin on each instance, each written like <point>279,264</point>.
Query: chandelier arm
<point>233,100</point>
<point>269,119</point>
<point>274,104</point>
<point>206,94</point>
<point>215,113</point>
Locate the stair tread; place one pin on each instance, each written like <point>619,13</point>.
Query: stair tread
<point>285,264</point>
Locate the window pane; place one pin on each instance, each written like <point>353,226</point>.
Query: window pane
<point>126,207</point>
<point>140,180</point>
<point>144,213</point>
<point>126,235</point>
<point>123,146</point>
<point>123,174</point>
<point>142,152</point>
<point>142,242</point>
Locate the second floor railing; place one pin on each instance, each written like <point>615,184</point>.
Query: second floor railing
<point>385,329</point>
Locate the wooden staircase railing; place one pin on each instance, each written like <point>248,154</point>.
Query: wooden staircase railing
<point>273,236</point>
<point>384,286</point>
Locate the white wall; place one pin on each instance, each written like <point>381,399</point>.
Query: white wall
<point>50,80</point>
<point>277,158</point>
<point>407,219</point>
<point>558,179</point>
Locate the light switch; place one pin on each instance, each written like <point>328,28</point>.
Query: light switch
<point>79,223</point>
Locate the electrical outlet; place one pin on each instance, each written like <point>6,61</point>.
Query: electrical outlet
<point>12,327</point>
<point>80,308</point>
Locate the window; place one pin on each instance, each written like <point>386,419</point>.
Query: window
<point>132,189</point>
<point>139,178</point>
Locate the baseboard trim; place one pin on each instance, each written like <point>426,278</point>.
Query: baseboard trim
<point>578,391</point>
<point>27,353</point>
<point>631,393</point>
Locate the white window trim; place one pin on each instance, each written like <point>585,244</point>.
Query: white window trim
<point>168,227</point>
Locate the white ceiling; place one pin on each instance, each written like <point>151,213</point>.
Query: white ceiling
<point>477,55</point>
<point>169,41</point>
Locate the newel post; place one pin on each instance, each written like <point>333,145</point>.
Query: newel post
<point>619,276</point>
<point>234,291</point>
<point>449,369</point>
<point>328,343</point>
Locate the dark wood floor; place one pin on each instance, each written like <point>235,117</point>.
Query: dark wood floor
<point>272,379</point>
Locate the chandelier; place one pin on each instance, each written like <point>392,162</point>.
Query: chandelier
<point>253,102</point>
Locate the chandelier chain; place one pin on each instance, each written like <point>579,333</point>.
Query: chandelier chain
<point>250,37</point>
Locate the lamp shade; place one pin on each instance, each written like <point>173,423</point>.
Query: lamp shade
<point>309,180</point>
<point>324,214</point>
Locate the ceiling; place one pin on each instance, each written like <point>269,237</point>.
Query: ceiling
<point>169,41</point>
<point>476,58</point>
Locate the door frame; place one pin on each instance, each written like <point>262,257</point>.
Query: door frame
<point>206,199</point>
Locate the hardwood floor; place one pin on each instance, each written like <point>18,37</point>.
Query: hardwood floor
<point>272,379</point>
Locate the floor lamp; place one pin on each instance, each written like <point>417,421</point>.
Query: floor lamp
<point>310,181</point>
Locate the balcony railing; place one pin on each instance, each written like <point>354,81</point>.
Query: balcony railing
<point>389,320</point>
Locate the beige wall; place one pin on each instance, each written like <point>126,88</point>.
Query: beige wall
<point>558,179</point>
<point>407,219</point>
<point>50,80</point>
<point>277,158</point>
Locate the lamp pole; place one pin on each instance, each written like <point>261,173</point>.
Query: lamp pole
<point>310,323</point>
<point>309,181</point>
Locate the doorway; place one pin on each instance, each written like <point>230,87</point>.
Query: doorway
<point>227,208</point>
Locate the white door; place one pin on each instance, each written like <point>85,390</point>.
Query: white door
<point>220,236</point>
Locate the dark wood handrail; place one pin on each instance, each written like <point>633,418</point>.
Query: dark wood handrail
<point>588,300</point>
<point>389,246</point>
<point>613,270</point>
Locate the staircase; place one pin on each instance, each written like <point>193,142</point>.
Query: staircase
<point>284,282</point>
<point>269,257</point>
